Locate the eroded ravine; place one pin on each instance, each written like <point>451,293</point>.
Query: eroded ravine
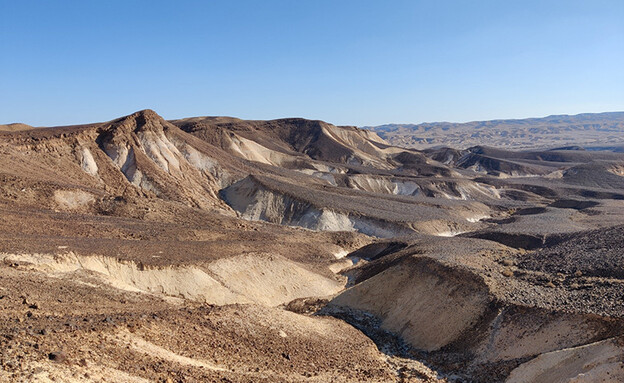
<point>267,280</point>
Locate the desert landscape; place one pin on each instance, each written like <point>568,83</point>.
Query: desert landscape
<point>591,131</point>
<point>215,249</point>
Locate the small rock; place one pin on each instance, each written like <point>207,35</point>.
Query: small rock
<point>550,284</point>
<point>508,262</point>
<point>578,273</point>
<point>58,356</point>
<point>508,273</point>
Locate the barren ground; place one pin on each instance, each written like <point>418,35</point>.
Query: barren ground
<point>218,249</point>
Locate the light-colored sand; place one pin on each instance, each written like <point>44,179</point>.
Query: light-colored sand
<point>617,169</point>
<point>253,151</point>
<point>271,280</point>
<point>158,147</point>
<point>268,280</point>
<point>72,199</point>
<point>597,362</point>
<point>87,162</point>
<point>181,282</point>
<point>142,345</point>
<point>531,331</point>
<point>425,308</point>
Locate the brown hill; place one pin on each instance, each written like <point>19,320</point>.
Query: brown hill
<point>16,127</point>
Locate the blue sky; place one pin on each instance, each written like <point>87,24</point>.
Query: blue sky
<point>347,62</point>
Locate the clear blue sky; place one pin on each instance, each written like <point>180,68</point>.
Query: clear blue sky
<point>346,62</point>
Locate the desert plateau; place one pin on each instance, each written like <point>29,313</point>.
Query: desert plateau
<point>215,249</point>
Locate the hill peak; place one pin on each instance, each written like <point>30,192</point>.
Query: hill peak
<point>146,119</point>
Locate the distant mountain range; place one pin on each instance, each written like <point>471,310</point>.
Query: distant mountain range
<point>588,130</point>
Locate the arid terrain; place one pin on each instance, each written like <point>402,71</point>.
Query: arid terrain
<point>213,249</point>
<point>594,131</point>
